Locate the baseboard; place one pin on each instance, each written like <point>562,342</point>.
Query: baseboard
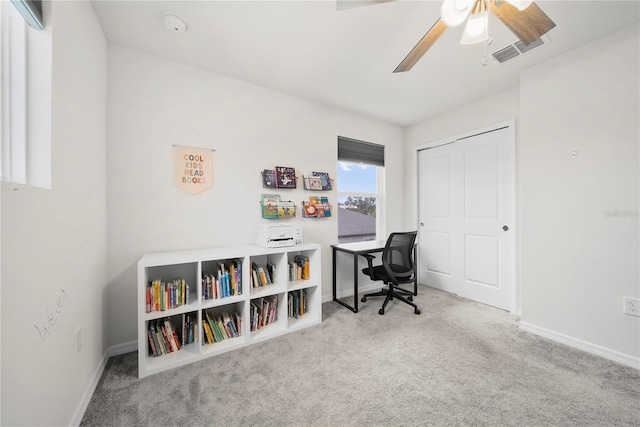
<point>598,350</point>
<point>118,349</point>
<point>91,388</point>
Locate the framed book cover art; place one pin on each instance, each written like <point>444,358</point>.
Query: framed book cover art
<point>285,177</point>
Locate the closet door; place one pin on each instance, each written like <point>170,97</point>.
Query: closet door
<point>466,208</point>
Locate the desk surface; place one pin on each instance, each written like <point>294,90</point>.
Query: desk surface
<point>361,247</point>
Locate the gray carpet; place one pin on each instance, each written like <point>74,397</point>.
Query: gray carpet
<point>458,363</point>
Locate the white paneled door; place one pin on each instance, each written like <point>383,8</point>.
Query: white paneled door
<point>466,208</point>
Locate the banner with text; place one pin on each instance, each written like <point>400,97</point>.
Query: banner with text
<point>193,168</point>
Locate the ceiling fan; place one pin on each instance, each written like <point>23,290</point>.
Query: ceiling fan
<point>523,17</point>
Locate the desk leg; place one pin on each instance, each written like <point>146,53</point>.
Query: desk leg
<point>355,283</point>
<point>335,287</point>
<point>415,271</point>
<point>335,284</point>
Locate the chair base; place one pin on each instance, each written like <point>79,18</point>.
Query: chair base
<point>391,293</point>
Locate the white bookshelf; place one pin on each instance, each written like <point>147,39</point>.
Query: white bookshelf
<point>189,265</point>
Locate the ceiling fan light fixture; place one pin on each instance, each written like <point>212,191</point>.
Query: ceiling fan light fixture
<point>520,4</point>
<point>476,29</point>
<point>454,12</point>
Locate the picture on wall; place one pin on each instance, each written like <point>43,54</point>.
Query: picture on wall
<point>193,168</point>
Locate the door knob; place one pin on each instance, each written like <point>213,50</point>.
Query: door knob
<point>505,228</point>
<point>422,224</point>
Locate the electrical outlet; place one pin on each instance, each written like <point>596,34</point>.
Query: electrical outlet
<point>78,340</point>
<point>631,306</point>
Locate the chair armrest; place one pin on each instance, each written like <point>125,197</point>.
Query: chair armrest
<point>370,259</point>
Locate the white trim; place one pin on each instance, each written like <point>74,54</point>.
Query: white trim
<point>454,138</point>
<point>598,350</point>
<point>115,350</point>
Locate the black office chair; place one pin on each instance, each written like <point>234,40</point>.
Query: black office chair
<point>398,266</point>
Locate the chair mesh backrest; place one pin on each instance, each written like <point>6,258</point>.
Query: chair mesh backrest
<point>398,253</point>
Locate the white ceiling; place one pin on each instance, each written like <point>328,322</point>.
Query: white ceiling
<point>346,58</point>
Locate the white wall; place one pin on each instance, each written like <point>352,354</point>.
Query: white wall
<point>54,241</point>
<point>153,104</point>
<point>494,109</point>
<point>574,263</point>
<point>578,261</point>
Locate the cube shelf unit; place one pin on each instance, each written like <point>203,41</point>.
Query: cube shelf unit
<point>189,265</point>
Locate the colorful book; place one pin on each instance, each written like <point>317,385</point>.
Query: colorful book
<point>325,181</point>
<point>285,177</point>
<point>270,204</point>
<point>269,178</point>
<point>312,183</point>
<point>325,206</point>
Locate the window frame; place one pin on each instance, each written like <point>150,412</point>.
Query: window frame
<point>378,195</point>
<point>25,106</point>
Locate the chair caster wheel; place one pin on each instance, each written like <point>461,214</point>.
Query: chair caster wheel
<point>381,311</point>
<point>363,299</point>
<point>410,298</point>
<point>416,311</point>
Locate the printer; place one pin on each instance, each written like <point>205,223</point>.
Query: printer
<point>278,235</point>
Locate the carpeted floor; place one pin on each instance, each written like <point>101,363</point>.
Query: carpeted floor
<point>458,363</point>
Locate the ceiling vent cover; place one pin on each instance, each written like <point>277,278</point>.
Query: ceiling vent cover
<point>517,48</point>
<point>506,53</point>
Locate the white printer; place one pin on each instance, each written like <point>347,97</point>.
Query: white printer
<point>278,235</point>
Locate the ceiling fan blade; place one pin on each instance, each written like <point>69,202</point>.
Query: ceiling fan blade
<point>350,4</point>
<point>421,48</point>
<point>528,25</point>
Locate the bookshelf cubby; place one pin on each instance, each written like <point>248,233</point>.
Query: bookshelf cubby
<point>192,266</point>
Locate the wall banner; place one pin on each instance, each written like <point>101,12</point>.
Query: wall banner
<point>193,168</point>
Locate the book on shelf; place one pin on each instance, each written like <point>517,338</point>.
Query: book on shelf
<point>299,268</point>
<point>187,329</point>
<point>285,177</point>
<point>271,271</point>
<point>162,296</point>
<point>261,275</point>
<point>263,311</point>
<point>269,178</point>
<point>163,337</point>
<point>323,177</point>
<point>220,327</point>
<point>297,305</point>
<point>225,280</point>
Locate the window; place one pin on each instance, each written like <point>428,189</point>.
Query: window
<point>360,190</point>
<point>25,119</point>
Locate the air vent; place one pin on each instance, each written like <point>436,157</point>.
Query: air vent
<point>517,48</point>
<point>506,53</point>
<point>527,47</point>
